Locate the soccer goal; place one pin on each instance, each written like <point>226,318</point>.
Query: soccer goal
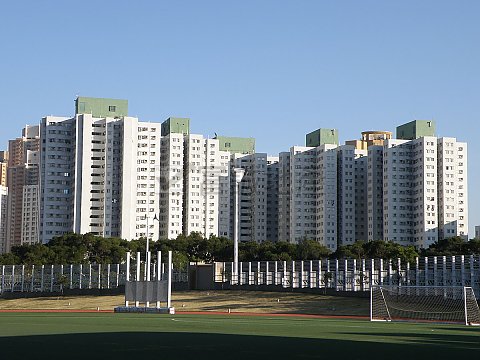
<point>449,304</point>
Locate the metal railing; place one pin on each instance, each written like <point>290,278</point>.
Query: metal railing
<point>57,278</point>
<point>354,274</point>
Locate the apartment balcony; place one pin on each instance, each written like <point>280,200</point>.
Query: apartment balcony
<point>97,187</point>
<point>96,214</point>
<point>98,148</point>
<point>98,162</point>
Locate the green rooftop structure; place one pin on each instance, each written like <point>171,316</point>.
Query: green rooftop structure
<point>322,136</point>
<point>101,107</point>
<point>236,145</point>
<point>416,129</point>
<point>174,125</point>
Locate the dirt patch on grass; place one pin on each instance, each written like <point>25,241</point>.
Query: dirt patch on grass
<point>214,301</point>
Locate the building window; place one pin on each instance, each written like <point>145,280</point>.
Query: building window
<point>112,108</point>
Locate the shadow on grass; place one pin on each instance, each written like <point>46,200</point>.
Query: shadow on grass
<point>466,341</point>
<point>177,345</point>
<point>292,303</point>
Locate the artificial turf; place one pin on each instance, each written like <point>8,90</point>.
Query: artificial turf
<point>141,336</point>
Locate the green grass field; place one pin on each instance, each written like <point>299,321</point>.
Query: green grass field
<point>220,301</point>
<point>141,336</point>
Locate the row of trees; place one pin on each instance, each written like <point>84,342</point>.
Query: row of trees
<point>77,249</point>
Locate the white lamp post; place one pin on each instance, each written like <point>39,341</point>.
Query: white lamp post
<point>239,173</point>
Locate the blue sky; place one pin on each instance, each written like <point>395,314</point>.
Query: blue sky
<point>273,70</point>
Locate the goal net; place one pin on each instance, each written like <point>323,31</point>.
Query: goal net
<point>451,304</point>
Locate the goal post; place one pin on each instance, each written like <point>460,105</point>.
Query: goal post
<point>449,304</point>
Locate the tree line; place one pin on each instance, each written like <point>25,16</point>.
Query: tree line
<point>88,248</point>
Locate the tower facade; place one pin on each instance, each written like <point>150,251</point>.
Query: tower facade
<point>23,183</point>
<point>98,172</point>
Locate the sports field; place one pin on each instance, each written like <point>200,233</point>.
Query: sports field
<point>186,336</point>
<point>211,301</point>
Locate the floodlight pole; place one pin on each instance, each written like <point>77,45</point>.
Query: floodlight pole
<point>147,249</point>
<point>239,173</point>
<point>128,273</point>
<point>371,302</point>
<point>137,303</point>
<point>159,272</point>
<point>147,259</point>
<point>169,284</point>
<point>146,276</point>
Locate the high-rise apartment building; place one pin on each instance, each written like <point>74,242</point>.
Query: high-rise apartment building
<point>375,193</point>
<point>284,192</point>
<point>318,192</point>
<point>273,195</point>
<point>258,202</point>
<point>194,193</point>
<point>172,186</point>
<point>308,194</point>
<point>139,176</point>
<point>23,184</point>
<point>112,175</point>
<point>351,194</point>
<point>369,184</point>
<point>452,188</point>
<point>326,195</point>
<point>205,165</point>
<point>301,201</point>
<point>57,176</point>
<point>345,202</point>
<point>425,190</point>
<point>361,195</point>
<point>3,218</point>
<point>100,176</point>
<point>410,191</point>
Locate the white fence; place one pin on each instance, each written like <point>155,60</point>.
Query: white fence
<point>340,275</point>
<point>57,278</point>
<point>353,274</point>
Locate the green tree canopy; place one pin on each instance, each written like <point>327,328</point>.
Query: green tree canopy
<point>88,248</point>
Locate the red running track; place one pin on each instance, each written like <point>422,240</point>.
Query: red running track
<point>305,316</point>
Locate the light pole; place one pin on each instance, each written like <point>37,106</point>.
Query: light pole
<point>239,173</point>
<point>147,249</point>
<point>147,253</point>
<point>158,237</point>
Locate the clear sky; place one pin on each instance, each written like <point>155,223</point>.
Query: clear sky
<point>273,70</point>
